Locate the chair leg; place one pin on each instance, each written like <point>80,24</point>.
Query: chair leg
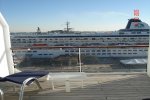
<point>25,83</point>
<point>2,94</point>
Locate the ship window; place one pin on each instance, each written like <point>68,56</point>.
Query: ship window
<point>93,50</point>
<point>109,54</point>
<point>66,51</point>
<point>85,39</point>
<point>82,51</point>
<point>98,50</point>
<point>87,50</point>
<point>103,53</point>
<point>71,51</point>
<point>88,54</point>
<point>98,54</point>
<point>93,53</point>
<point>138,32</point>
<point>103,50</point>
<point>76,51</point>
<point>93,39</point>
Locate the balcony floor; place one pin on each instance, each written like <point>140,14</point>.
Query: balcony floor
<point>112,86</point>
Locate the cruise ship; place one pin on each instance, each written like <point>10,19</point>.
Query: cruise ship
<point>129,42</point>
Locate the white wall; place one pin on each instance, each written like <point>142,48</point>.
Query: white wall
<point>6,61</point>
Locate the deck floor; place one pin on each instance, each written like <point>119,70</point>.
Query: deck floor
<point>130,86</point>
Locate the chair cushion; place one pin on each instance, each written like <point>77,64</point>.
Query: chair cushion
<point>20,77</point>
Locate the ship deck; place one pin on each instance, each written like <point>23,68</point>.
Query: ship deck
<point>100,86</point>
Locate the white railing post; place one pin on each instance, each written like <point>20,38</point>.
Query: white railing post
<point>80,60</point>
<point>7,43</point>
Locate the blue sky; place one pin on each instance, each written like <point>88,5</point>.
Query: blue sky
<point>83,15</point>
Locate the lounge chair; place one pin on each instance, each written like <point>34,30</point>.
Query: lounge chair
<point>24,78</point>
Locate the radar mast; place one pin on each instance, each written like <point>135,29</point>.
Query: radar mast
<point>68,27</point>
<point>38,30</point>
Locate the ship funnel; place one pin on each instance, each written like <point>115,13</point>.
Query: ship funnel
<point>132,21</point>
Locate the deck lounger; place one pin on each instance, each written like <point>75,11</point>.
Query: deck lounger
<point>24,78</point>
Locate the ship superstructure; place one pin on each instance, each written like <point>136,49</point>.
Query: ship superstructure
<point>102,44</point>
